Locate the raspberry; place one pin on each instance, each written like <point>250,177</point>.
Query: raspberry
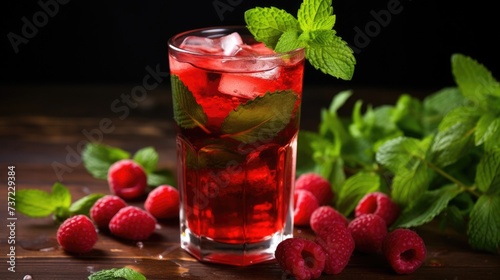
<point>163,202</point>
<point>368,231</point>
<point>77,234</point>
<point>301,258</point>
<point>324,216</point>
<point>105,208</point>
<point>380,204</point>
<point>127,179</point>
<point>317,185</point>
<point>405,250</point>
<point>304,205</point>
<point>338,244</point>
<point>132,223</point>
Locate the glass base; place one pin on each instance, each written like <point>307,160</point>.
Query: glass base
<point>207,250</point>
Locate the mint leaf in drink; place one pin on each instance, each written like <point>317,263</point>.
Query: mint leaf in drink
<point>263,116</point>
<point>187,112</point>
<point>311,30</point>
<point>97,158</point>
<point>484,225</point>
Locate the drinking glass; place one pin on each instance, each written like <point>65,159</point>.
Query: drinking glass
<point>237,112</point>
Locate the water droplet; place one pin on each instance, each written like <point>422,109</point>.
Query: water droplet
<point>41,243</point>
<point>27,277</point>
<point>140,245</point>
<point>90,269</point>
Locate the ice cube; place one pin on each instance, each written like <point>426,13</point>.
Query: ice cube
<point>201,44</point>
<point>231,43</point>
<point>227,45</point>
<point>248,85</point>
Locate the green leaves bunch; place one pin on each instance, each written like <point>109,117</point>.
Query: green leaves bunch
<point>439,158</point>
<point>312,30</point>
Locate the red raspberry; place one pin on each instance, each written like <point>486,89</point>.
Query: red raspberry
<point>405,250</point>
<point>163,202</point>
<point>304,205</point>
<point>105,208</point>
<point>338,244</point>
<point>380,204</point>
<point>301,258</point>
<point>368,231</point>
<point>326,215</point>
<point>319,186</point>
<point>132,223</point>
<point>77,234</point>
<point>127,179</point>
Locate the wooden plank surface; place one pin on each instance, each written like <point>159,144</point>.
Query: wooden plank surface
<point>42,125</point>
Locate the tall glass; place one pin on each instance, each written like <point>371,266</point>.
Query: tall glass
<point>237,116</point>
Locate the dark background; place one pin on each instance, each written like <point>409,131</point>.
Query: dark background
<point>93,42</point>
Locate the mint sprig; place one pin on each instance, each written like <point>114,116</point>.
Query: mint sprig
<point>37,203</point>
<point>97,158</point>
<point>438,158</point>
<point>117,274</point>
<point>311,30</point>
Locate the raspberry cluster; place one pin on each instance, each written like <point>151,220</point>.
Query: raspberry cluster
<point>337,237</point>
<point>112,213</point>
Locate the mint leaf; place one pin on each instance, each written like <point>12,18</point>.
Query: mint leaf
<point>487,128</point>
<point>161,177</point>
<point>405,157</point>
<point>268,24</point>
<point>315,15</point>
<point>484,225</point>
<point>97,158</point>
<point>147,157</point>
<point>488,172</point>
<point>427,207</point>
<point>117,274</point>
<point>289,41</point>
<point>455,136</point>
<point>83,205</point>
<point>187,112</point>
<point>262,117</point>
<point>476,82</point>
<point>330,54</point>
<point>37,203</point>
<point>437,105</point>
<point>354,188</point>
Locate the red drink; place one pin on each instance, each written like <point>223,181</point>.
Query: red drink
<point>237,118</point>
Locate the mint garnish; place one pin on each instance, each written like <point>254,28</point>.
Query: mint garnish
<point>117,274</point>
<point>187,112</point>
<point>312,30</point>
<point>263,116</point>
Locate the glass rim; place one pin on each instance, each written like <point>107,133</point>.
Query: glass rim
<point>220,30</point>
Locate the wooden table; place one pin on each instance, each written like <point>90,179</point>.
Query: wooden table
<point>41,126</point>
